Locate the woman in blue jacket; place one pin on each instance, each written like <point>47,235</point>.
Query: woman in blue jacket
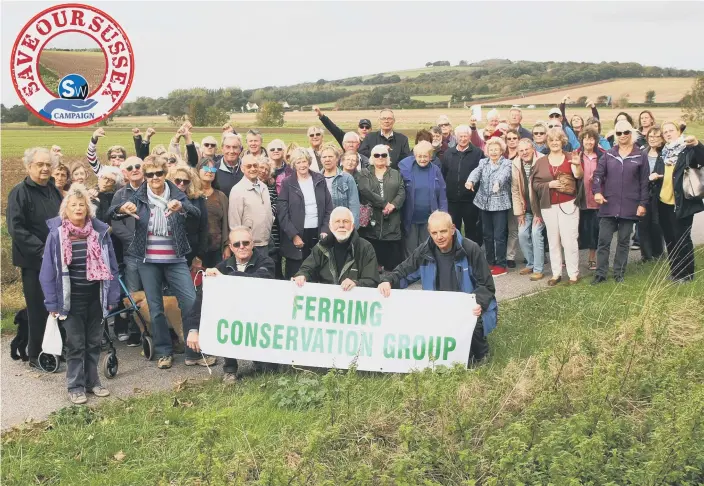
<point>425,193</point>
<point>79,281</point>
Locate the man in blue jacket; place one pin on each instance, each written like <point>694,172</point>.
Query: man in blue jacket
<point>449,262</point>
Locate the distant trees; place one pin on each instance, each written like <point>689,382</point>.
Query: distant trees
<point>16,114</point>
<point>602,100</point>
<point>650,96</point>
<point>437,63</point>
<point>622,101</point>
<point>581,100</point>
<point>693,101</point>
<point>463,63</point>
<point>271,114</point>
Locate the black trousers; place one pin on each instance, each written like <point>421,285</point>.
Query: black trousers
<point>480,346</point>
<point>678,240</point>
<point>650,234</point>
<point>310,239</point>
<point>36,312</point>
<point>467,213</point>
<point>388,253</point>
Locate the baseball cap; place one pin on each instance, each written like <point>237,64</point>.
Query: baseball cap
<point>209,139</point>
<point>364,121</point>
<point>554,111</point>
<point>443,120</point>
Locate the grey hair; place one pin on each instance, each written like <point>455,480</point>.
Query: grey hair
<point>342,209</point>
<point>492,114</point>
<point>108,169</point>
<point>276,143</point>
<point>30,153</point>
<point>496,141</point>
<point>423,147</point>
<point>79,191</point>
<point>351,137</point>
<point>255,132</point>
<point>462,129</point>
<point>239,228</point>
<point>299,154</point>
<point>230,136</point>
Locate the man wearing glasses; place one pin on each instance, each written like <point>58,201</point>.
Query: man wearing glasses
<point>555,115</point>
<point>315,136</point>
<point>116,154</point>
<point>397,142</point>
<point>363,127</point>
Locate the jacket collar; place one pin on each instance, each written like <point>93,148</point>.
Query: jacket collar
<point>430,246</point>
<point>231,263</point>
<point>226,168</point>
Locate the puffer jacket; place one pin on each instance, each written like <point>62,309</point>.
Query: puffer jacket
<point>54,277</point>
<point>384,228</point>
<point>177,221</point>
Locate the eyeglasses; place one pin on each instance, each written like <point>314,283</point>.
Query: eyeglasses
<point>210,145</point>
<point>315,135</point>
<point>243,244</point>
<point>158,173</point>
<point>554,115</point>
<point>250,166</point>
<point>511,139</point>
<point>276,149</point>
<point>184,182</point>
<point>627,132</point>
<point>118,156</point>
<point>130,168</point>
<point>538,133</point>
<point>209,169</point>
<point>365,127</point>
<point>380,156</point>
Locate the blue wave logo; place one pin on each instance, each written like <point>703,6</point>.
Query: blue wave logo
<point>73,89</point>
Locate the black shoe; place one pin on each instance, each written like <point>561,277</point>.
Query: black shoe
<point>134,340</point>
<point>511,263</point>
<point>619,279</point>
<point>34,363</point>
<point>598,280</point>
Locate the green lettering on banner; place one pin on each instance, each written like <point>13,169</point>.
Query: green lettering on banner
<point>389,346</point>
<point>278,336</point>
<point>419,347</point>
<point>338,313</point>
<point>360,316</point>
<point>307,337</point>
<point>297,305</point>
<point>222,337</point>
<point>350,308</point>
<point>250,336</point>
<point>351,343</point>
<point>323,309</point>
<point>434,352</point>
<point>237,333</point>
<point>291,338</point>
<point>331,334</point>
<point>310,308</point>
<point>318,343</point>
<point>366,348</point>
<point>375,314</point>
<point>404,343</point>
<point>449,345</point>
<point>265,341</point>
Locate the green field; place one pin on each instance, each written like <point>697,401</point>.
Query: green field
<point>432,98</point>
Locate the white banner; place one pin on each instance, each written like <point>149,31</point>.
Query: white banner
<point>275,321</point>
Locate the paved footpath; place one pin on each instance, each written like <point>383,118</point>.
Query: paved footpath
<point>29,395</point>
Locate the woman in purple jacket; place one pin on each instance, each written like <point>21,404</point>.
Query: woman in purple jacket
<point>79,280</point>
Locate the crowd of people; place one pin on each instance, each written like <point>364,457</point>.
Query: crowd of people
<point>365,212</point>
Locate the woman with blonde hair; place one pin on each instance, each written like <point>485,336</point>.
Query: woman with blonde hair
<point>186,179</point>
<point>553,187</point>
<point>78,173</point>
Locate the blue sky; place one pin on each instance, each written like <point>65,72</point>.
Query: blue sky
<point>216,44</point>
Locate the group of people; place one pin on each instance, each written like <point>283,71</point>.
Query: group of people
<point>370,212</point>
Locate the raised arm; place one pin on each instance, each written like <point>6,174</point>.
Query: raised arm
<point>336,131</point>
<point>91,155</point>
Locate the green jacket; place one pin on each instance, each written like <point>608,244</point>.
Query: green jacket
<point>360,266</point>
<point>385,228</point>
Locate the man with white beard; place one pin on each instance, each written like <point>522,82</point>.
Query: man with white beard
<point>341,258</point>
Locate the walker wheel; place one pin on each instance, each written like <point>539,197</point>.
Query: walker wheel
<point>148,347</point>
<point>49,362</point>
<point>110,364</point>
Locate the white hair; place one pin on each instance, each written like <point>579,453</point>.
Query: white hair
<point>342,209</point>
<point>116,172</point>
<point>492,114</point>
<point>380,149</point>
<point>351,137</point>
<point>462,129</point>
<point>237,229</point>
<point>77,191</point>
<point>30,153</point>
<point>423,147</point>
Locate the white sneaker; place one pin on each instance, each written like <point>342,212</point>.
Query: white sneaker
<point>122,337</point>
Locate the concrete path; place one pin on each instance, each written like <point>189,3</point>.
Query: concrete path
<point>28,395</point>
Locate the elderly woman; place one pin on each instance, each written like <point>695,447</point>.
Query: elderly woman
<point>277,150</point>
<point>493,175</point>
<point>216,207</point>
<point>188,182</point>
<point>553,186</point>
<point>349,162</point>
<point>267,172</point>
<point>62,178</point>
<point>381,188</point>
<point>79,174</point>
<point>425,193</point>
<point>116,154</point>
<point>649,230</point>
<point>675,210</point>
<point>342,187</point>
<point>304,208</point>
<point>109,180</point>
<point>79,280</point>
<point>161,242</point>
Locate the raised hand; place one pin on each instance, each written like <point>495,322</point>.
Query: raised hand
<point>136,132</point>
<point>150,132</point>
<point>99,133</point>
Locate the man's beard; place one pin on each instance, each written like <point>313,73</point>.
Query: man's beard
<point>342,236</point>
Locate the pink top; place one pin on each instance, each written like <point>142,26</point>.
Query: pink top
<point>589,163</point>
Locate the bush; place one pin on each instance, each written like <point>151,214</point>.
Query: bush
<point>271,114</point>
<point>693,102</point>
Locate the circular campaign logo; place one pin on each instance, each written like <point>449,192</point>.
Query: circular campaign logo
<point>72,65</point>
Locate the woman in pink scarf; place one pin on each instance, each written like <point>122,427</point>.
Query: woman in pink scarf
<point>79,280</point>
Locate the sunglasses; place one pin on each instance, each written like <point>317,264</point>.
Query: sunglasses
<point>511,139</point>
<point>380,156</point>
<point>116,157</point>
<point>553,126</point>
<point>315,135</point>
<point>538,133</point>
<point>210,145</point>
<point>158,173</point>
<point>276,150</point>
<point>209,169</point>
<point>130,168</point>
<point>627,132</point>
<point>250,166</point>
<point>184,182</point>
<point>243,244</point>
<point>365,127</point>
<point>554,115</point>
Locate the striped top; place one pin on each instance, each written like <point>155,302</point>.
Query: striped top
<point>274,197</point>
<point>160,249</point>
<point>80,285</point>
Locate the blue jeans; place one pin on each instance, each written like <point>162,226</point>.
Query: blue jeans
<point>495,229</point>
<point>178,277</point>
<point>132,280</point>
<point>530,237</point>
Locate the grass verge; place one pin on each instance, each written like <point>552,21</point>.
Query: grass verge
<point>586,385</point>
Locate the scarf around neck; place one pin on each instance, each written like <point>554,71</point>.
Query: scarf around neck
<point>159,224</point>
<point>672,150</point>
<point>96,270</point>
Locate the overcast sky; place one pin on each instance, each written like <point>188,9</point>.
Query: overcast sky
<point>250,45</point>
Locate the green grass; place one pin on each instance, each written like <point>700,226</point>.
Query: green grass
<point>585,385</point>
<point>414,73</point>
<point>432,98</point>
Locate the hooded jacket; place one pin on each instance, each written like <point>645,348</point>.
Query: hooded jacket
<point>54,277</point>
<point>29,206</point>
<point>471,268</point>
<point>360,265</point>
<point>623,182</point>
